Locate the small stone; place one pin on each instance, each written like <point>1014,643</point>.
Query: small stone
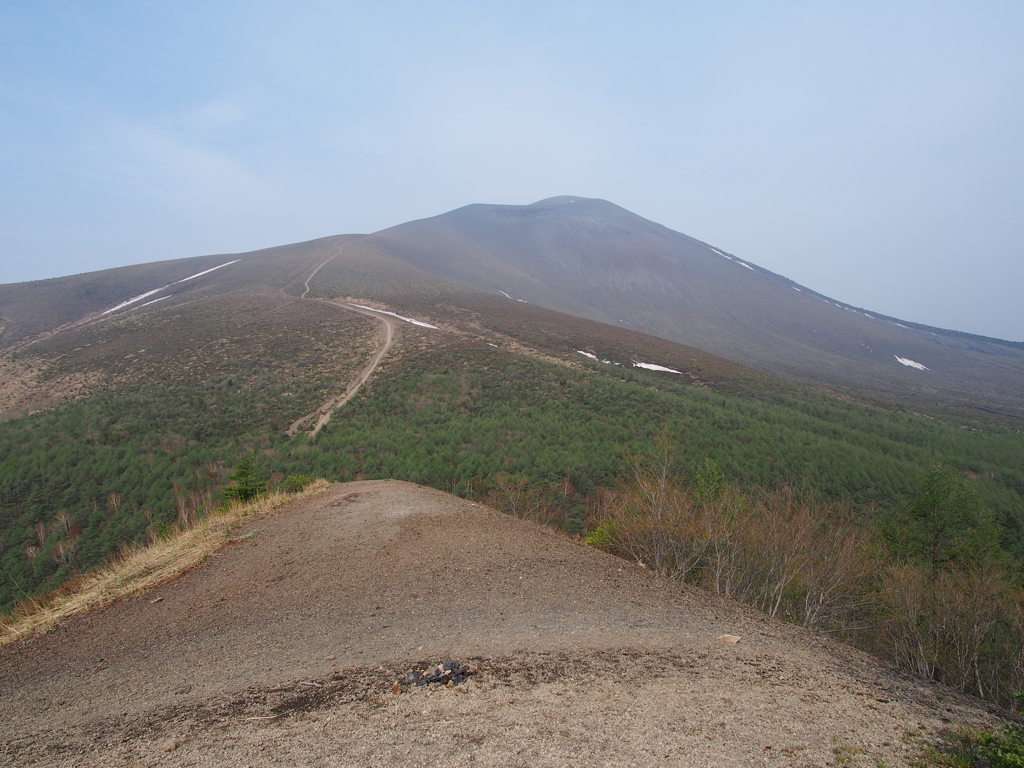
<point>729,638</point>
<point>331,658</point>
<point>169,746</point>
<point>396,688</point>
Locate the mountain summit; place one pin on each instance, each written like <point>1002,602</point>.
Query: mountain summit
<point>593,259</point>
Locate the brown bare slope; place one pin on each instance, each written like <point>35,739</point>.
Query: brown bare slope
<point>593,259</point>
<point>283,650</point>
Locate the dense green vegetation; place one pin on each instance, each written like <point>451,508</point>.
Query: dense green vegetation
<point>452,418</point>
<point>79,480</point>
<point>918,520</point>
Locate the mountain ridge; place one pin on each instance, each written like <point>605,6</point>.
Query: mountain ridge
<point>592,259</point>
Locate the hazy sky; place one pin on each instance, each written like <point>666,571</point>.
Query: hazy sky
<point>873,151</point>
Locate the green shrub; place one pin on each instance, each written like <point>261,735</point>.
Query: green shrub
<point>295,483</point>
<point>250,479</point>
<point>1005,749</point>
<point>602,537</point>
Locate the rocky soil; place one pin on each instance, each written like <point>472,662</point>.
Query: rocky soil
<point>294,647</point>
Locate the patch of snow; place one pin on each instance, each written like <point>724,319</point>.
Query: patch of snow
<point>140,297</point>
<point>207,271</point>
<point>128,303</point>
<point>869,317</point>
<point>795,288</point>
<point>595,357</point>
<point>505,294</point>
<point>910,363</point>
<point>901,325</point>
<point>492,345</point>
<point>154,301</point>
<point>395,314</point>
<point>653,367</point>
<point>742,263</point>
<point>722,254</point>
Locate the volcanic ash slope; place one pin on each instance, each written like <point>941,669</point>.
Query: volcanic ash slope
<point>286,647</point>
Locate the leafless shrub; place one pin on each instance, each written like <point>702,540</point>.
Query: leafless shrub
<point>783,552</point>
<point>64,551</point>
<point>63,523</point>
<point>191,506</point>
<point>962,626</point>
<point>515,495</point>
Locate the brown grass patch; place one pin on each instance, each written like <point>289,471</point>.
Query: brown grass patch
<point>142,567</point>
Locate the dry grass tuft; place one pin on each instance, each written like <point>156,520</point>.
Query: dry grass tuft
<point>142,567</point>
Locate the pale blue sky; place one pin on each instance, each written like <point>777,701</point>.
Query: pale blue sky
<point>873,151</point>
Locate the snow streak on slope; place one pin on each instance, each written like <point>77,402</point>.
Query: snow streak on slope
<point>911,363</point>
<point>147,294</point>
<point>653,367</point>
<point>140,297</point>
<point>207,271</point>
<point>393,314</point>
<point>647,366</point>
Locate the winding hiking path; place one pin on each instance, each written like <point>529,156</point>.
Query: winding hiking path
<point>389,333</point>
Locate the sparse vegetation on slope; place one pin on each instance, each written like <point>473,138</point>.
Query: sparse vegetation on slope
<point>142,567</point>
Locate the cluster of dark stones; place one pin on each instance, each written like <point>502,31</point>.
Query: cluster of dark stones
<point>448,673</point>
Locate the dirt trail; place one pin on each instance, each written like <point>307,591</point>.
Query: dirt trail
<point>285,647</point>
<point>389,334</point>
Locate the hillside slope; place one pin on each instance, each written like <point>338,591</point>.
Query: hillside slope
<point>593,259</point>
<point>285,647</point>
<point>584,257</point>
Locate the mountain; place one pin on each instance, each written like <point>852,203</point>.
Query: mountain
<point>495,353</point>
<point>593,259</point>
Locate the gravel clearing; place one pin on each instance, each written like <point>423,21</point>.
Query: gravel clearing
<point>287,648</point>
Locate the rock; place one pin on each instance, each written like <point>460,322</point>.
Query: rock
<point>729,638</point>
<point>169,746</point>
<point>448,673</point>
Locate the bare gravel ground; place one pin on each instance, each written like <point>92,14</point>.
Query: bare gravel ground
<point>284,649</point>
